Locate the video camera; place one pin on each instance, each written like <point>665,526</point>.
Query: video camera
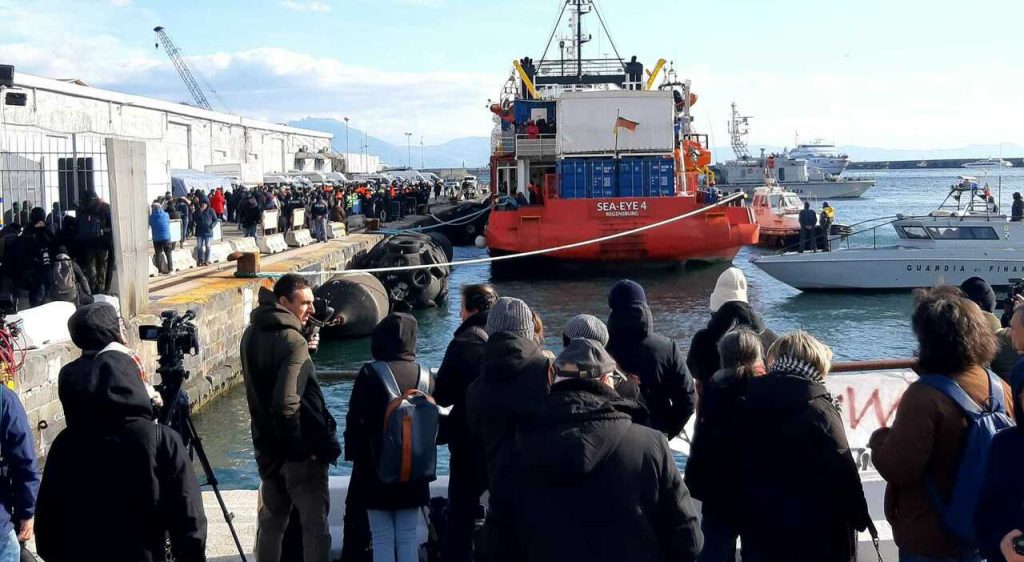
<point>175,337</point>
<point>323,315</point>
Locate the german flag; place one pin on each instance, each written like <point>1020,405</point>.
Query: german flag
<point>623,123</point>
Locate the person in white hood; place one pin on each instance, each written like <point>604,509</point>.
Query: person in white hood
<point>731,286</point>
<point>729,310</point>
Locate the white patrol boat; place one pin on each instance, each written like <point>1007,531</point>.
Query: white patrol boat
<point>965,237</point>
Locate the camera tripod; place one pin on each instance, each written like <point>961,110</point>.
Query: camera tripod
<point>172,369</point>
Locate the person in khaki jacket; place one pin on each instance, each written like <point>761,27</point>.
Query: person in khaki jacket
<point>927,437</point>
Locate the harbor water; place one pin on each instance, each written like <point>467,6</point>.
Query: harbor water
<point>855,325</point>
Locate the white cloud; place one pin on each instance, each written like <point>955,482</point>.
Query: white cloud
<point>319,7</point>
<point>121,3</point>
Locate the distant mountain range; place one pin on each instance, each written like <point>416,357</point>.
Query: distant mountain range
<point>475,151</point>
<point>470,152</point>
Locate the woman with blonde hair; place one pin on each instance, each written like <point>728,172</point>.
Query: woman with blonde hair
<point>798,472</point>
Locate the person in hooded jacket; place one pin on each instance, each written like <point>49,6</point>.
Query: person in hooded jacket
<point>393,509</point>
<point>110,416</point>
<point>467,479</point>
<point>293,432</point>
<point>713,467</point>
<point>33,249</point>
<point>654,359</point>
<point>594,485</point>
<point>509,391</point>
<point>801,496</point>
<point>729,309</point>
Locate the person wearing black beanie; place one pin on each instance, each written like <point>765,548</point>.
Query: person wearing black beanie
<point>657,361</point>
<point>978,291</point>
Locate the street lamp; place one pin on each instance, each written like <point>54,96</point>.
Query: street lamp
<point>346,136</point>
<point>421,152</point>
<point>408,148</point>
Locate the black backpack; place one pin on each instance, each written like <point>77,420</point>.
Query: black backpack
<point>62,283</point>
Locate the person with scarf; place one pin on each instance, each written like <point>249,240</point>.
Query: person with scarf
<point>800,496</point>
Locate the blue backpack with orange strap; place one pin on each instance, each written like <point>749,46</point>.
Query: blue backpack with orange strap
<point>408,448</point>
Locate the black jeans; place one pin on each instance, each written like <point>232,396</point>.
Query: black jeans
<point>96,258</point>
<point>466,483</point>
<point>163,256</point>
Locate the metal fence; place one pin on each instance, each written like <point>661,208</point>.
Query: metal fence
<point>40,169</point>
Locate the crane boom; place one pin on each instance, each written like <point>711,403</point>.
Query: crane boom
<point>182,68</point>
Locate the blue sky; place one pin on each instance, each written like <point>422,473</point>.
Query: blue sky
<point>892,74</point>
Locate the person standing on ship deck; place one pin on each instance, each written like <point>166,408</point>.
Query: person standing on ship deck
<point>1017,210</point>
<point>828,216</point>
<point>808,220</point>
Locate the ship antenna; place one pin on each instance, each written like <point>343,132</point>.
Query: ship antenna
<point>554,30</point>
<point>607,32</point>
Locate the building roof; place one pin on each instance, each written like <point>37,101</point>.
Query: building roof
<point>78,88</point>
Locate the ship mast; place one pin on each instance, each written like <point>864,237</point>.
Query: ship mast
<point>738,128</point>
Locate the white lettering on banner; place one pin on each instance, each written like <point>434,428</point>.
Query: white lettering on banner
<point>622,208</point>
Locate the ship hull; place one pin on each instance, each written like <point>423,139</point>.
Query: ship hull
<point>821,190</point>
<point>714,235</point>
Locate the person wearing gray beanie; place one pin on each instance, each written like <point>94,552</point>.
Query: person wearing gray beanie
<point>585,326</point>
<point>510,315</point>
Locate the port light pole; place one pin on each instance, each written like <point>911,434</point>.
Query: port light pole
<point>421,152</point>
<point>408,148</point>
<point>346,136</point>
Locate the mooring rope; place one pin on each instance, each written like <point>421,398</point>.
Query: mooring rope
<point>457,221</point>
<point>489,259</point>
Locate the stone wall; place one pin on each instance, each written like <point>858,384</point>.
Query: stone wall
<point>222,303</point>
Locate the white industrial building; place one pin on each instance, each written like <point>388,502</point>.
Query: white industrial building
<point>55,140</point>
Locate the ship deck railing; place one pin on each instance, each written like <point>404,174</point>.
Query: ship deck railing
<point>540,146</point>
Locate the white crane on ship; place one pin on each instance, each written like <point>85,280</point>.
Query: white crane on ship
<point>183,70</point>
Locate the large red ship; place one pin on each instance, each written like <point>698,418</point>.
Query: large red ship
<point>585,148</point>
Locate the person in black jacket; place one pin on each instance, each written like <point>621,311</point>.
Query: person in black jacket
<point>713,469</point>
<point>32,266</point>
<point>594,485</point>
<point>729,309</point>
<point>1017,209</point>
<point>293,433</point>
<point>138,473</point>
<point>467,479</point>
<point>657,361</point>
<point>808,222</point>
<point>393,508</point>
<point>798,472</point>
<point>510,391</point>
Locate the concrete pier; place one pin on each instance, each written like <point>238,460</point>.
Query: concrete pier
<point>222,302</point>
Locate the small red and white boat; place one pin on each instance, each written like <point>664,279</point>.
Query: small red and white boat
<point>777,212</point>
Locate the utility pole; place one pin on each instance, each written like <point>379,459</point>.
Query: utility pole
<point>346,136</point>
<point>408,148</point>
<point>421,152</point>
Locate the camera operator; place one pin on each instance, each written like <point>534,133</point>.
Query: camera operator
<point>113,468</point>
<point>293,433</point>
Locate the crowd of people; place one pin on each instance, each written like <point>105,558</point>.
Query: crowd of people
<point>554,454</point>
<point>56,256</point>
<point>572,450</point>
